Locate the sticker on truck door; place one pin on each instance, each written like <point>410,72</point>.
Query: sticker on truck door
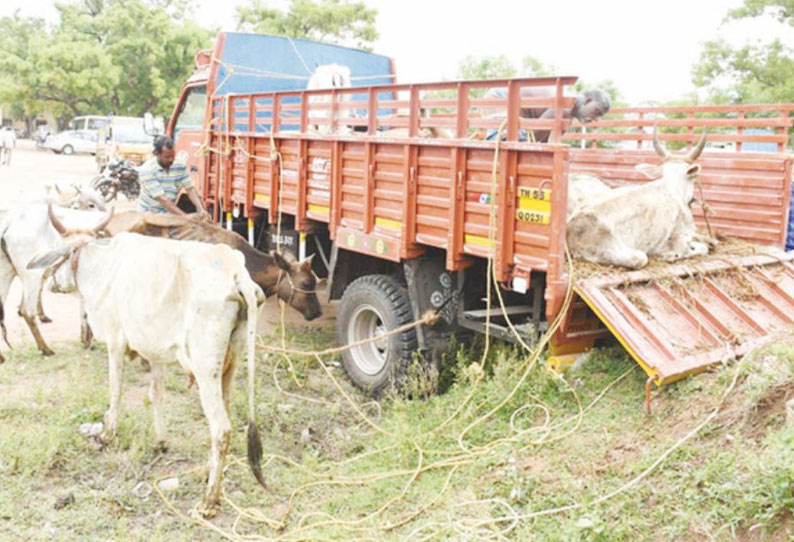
<point>534,205</point>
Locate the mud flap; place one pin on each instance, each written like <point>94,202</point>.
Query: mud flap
<point>432,287</point>
<point>686,317</point>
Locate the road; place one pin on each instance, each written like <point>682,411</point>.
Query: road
<point>26,181</point>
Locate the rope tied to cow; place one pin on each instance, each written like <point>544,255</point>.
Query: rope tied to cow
<point>428,319</point>
<point>705,206</point>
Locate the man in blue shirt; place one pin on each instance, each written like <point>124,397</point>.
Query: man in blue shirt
<point>161,180</point>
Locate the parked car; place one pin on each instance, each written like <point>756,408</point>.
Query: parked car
<point>72,141</point>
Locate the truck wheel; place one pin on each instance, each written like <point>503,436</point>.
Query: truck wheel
<point>107,189</point>
<point>372,305</point>
<point>67,149</point>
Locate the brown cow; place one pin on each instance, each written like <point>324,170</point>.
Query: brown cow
<point>294,282</point>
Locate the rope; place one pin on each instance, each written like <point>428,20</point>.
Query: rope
<point>429,318</point>
<point>307,524</point>
<point>705,206</point>
<point>300,57</point>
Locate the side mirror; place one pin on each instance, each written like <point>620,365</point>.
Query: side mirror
<point>153,126</point>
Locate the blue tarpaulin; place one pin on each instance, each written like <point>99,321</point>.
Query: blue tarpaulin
<point>256,63</point>
<point>790,235</point>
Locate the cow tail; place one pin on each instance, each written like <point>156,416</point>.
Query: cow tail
<point>255,452</point>
<point>4,248</point>
<point>3,324</point>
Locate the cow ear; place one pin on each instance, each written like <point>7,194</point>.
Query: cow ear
<point>41,261</point>
<point>307,263</point>
<point>649,170</point>
<point>693,171</point>
<point>280,260</point>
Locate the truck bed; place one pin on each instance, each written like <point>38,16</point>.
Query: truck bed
<point>396,196</point>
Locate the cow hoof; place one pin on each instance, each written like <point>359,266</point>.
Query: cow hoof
<point>47,352</point>
<point>104,439</point>
<point>205,510</point>
<point>44,319</point>
<point>161,447</point>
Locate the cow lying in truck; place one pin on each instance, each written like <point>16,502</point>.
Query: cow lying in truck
<point>628,224</point>
<point>584,188</point>
<point>168,301</point>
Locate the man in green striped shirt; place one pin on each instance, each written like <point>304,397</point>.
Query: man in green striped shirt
<point>161,180</point>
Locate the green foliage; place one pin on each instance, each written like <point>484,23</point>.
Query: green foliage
<point>124,57</point>
<point>736,475</point>
<point>752,72</point>
<point>497,67</point>
<point>782,10</point>
<point>487,67</point>
<point>332,21</point>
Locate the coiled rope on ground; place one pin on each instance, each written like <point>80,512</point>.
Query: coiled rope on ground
<point>290,527</point>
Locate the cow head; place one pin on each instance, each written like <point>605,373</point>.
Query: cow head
<point>297,285</point>
<point>330,76</point>
<point>63,279</point>
<point>678,169</point>
<point>83,198</point>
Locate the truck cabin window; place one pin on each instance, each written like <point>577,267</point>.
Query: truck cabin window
<point>191,114</point>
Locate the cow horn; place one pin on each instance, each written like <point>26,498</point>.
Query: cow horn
<point>55,222</point>
<point>693,155</point>
<point>660,150</point>
<point>101,226</point>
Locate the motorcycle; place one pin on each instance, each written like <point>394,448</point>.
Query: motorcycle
<point>118,176</point>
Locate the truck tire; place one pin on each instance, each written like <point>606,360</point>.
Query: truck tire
<point>371,305</point>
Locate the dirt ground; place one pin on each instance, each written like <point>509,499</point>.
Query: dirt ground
<point>26,181</point>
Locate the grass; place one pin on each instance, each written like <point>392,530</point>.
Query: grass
<point>358,477</point>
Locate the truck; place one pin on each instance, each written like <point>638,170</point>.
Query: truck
<point>241,62</point>
<point>404,223</point>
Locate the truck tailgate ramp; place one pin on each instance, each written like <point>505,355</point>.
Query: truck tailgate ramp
<point>678,319</point>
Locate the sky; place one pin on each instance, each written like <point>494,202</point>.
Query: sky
<point>646,47</point>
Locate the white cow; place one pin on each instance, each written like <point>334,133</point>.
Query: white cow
<point>328,76</point>
<point>74,197</point>
<point>584,188</point>
<point>24,232</point>
<point>633,222</point>
<point>168,301</point>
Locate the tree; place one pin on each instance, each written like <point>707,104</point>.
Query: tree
<point>750,73</point>
<point>333,21</point>
<point>153,64</point>
<point>488,67</point>
<point>782,10</point>
<point>498,67</point>
<point>124,57</point>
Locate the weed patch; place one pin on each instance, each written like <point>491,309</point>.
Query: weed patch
<point>452,466</point>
